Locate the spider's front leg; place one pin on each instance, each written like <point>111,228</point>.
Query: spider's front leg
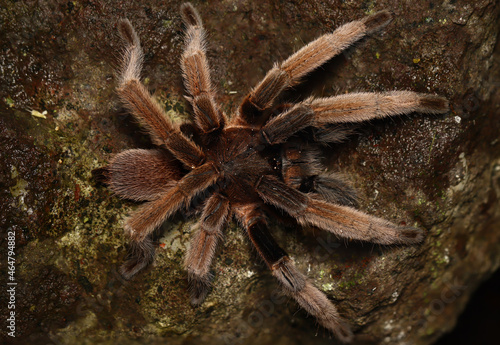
<point>308,58</point>
<point>343,221</point>
<point>292,281</point>
<point>208,116</point>
<point>145,109</point>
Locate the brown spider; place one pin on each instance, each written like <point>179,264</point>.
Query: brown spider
<point>262,158</point>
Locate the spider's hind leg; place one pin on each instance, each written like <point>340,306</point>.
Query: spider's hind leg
<point>294,283</point>
<point>331,187</point>
<point>203,244</point>
<point>302,170</point>
<point>341,220</point>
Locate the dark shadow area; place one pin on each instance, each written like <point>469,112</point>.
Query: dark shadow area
<point>479,322</point>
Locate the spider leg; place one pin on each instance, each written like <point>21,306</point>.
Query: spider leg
<point>140,254</point>
<point>291,280</point>
<point>141,175</point>
<point>145,109</point>
<point>203,244</point>
<point>331,187</point>
<point>343,221</point>
<point>331,133</point>
<point>305,60</point>
<point>353,107</point>
<point>208,116</point>
<point>302,170</point>
<point>150,215</point>
<point>279,128</point>
<point>358,107</point>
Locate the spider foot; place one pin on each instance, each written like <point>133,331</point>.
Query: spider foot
<point>190,14</point>
<point>199,287</point>
<point>377,21</point>
<point>315,302</point>
<point>411,235</point>
<point>433,104</point>
<point>140,255</point>
<point>101,175</point>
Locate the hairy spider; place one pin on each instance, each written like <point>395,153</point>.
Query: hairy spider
<point>262,158</point>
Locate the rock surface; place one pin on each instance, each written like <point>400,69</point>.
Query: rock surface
<point>60,119</point>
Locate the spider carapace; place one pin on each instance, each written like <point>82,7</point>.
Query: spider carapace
<point>264,158</point>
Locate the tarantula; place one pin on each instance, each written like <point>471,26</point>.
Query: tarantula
<point>262,158</point>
